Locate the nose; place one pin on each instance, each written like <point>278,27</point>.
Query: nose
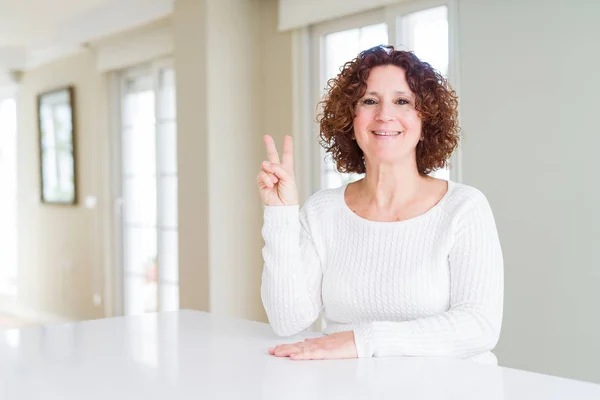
<point>385,112</point>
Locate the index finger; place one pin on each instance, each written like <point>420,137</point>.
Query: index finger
<point>288,152</point>
<point>271,149</point>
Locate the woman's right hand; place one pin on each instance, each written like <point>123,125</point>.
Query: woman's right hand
<point>276,181</point>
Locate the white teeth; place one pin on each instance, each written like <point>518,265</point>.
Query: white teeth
<point>382,133</point>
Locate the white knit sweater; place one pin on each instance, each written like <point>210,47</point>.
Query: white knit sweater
<point>428,286</point>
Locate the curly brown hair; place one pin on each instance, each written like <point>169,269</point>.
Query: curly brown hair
<point>436,102</point>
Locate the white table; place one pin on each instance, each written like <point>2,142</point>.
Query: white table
<point>195,355</point>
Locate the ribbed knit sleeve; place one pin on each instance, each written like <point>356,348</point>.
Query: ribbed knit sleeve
<point>292,273</point>
<point>472,323</point>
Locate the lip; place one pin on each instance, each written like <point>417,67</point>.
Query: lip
<point>386,133</point>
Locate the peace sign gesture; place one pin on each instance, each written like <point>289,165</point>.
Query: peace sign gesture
<point>276,181</point>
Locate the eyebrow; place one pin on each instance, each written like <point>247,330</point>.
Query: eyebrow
<point>373,93</point>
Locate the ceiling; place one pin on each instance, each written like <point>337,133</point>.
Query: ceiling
<point>36,31</point>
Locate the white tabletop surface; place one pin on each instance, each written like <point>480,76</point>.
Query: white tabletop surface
<point>195,355</point>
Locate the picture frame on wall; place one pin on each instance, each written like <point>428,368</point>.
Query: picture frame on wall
<point>57,145</point>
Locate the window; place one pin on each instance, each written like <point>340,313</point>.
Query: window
<point>8,199</point>
<point>339,47</point>
<point>424,31</point>
<point>148,223</point>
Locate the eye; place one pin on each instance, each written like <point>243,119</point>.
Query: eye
<point>368,102</point>
<point>402,102</point>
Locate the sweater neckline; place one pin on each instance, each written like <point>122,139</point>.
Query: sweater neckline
<point>347,210</point>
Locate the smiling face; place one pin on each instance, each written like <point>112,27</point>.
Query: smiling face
<point>387,126</point>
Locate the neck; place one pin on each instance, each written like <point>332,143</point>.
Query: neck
<point>387,187</point>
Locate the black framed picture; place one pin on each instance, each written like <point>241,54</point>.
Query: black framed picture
<point>56,124</point>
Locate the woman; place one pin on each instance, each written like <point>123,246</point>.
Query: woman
<point>399,263</point>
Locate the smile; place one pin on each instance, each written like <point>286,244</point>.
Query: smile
<point>386,133</point>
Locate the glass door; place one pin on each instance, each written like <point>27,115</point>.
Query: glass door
<point>148,223</point>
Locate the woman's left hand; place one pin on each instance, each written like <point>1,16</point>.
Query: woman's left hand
<point>332,347</point>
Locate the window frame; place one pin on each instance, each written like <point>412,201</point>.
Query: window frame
<point>308,47</point>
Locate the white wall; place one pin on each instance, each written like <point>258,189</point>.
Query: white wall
<point>233,106</point>
<point>234,85</point>
<point>296,13</point>
<point>529,112</point>
<point>60,248</point>
<point>189,22</point>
